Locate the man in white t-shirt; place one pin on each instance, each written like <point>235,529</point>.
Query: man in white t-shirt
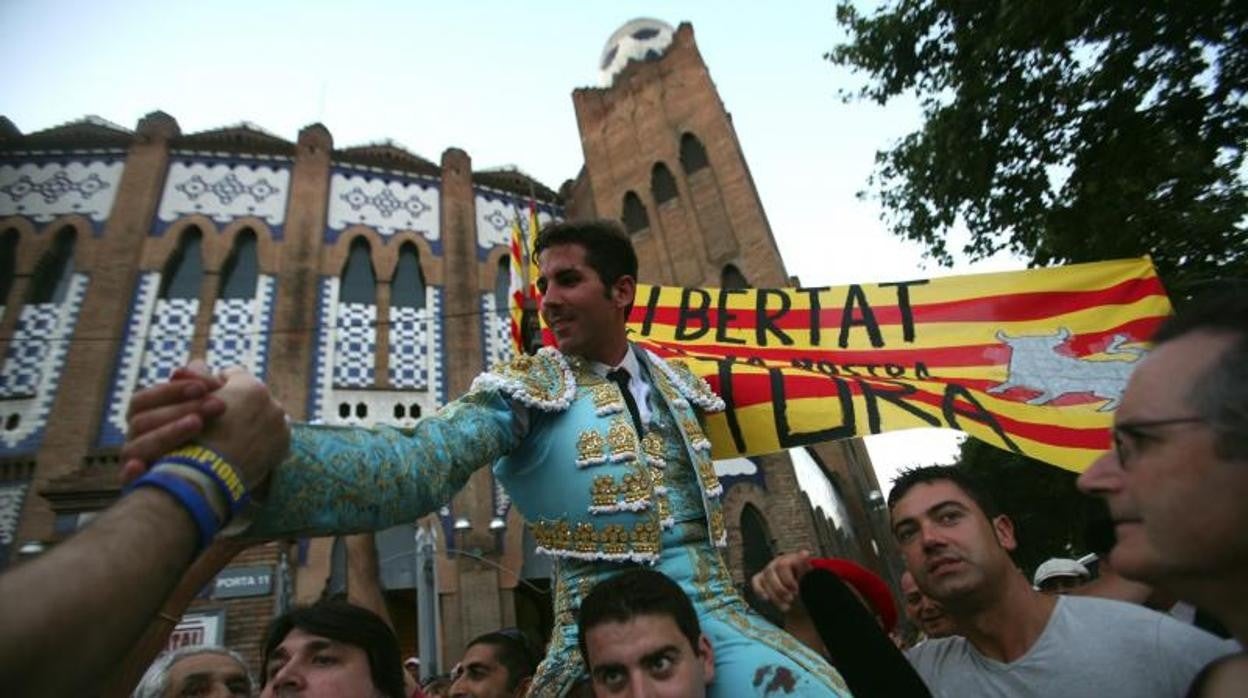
<point>1011,639</point>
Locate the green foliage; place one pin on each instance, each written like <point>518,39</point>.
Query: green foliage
<point>1050,515</point>
<point>1065,130</point>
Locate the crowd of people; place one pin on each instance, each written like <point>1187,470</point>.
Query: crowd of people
<point>210,459</point>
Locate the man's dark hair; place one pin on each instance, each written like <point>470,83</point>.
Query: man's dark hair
<point>513,649</point>
<point>935,473</point>
<point>351,625</point>
<point>637,592</point>
<point>608,250</point>
<point>1221,394</point>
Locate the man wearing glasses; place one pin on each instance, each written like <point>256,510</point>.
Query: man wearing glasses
<point>1177,479</point>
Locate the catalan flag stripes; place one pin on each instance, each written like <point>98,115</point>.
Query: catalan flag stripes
<point>1032,361</point>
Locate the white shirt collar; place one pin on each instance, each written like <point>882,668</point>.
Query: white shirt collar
<point>629,363</point>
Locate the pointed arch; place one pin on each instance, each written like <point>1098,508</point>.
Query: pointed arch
<point>8,262</point>
<point>407,290</point>
<point>55,269</point>
<point>184,271</point>
<point>502,287</point>
<point>756,552</point>
<point>634,213</point>
<point>662,184</point>
<point>731,277</point>
<point>241,270</point>
<point>359,279</point>
<point>692,154</point>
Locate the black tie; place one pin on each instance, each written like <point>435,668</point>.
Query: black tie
<point>620,376</point>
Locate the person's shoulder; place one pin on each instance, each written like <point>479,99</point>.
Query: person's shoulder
<point>690,385</point>
<point>1109,614</point>
<point>1134,623</point>
<point>542,381</point>
<point>934,652</point>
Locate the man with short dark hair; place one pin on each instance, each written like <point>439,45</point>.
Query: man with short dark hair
<point>498,664</point>
<point>1013,640</point>
<point>599,443</point>
<point>331,648</point>
<point>203,670</point>
<point>639,635</point>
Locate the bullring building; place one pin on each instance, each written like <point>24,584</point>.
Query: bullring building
<point>365,284</point>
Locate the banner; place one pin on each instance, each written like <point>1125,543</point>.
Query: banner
<point>1032,361</point>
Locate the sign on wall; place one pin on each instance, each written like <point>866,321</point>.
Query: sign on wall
<point>241,582</point>
<point>198,628</point>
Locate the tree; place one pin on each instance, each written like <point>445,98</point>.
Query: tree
<point>1065,130</point>
<point>1050,515</point>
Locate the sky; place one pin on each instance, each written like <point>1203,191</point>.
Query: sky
<point>495,79</point>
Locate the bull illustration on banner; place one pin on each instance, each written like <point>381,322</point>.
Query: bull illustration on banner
<point>1036,365</point>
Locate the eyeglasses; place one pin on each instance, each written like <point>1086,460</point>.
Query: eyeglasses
<point>1121,444</point>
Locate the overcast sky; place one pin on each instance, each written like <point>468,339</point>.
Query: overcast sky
<point>495,79</point>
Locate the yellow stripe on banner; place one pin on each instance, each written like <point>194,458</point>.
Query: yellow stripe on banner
<point>1053,340</point>
<point>1090,277</point>
<point>744,320</point>
<point>1093,276</point>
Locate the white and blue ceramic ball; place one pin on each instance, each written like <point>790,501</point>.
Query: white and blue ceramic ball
<point>642,39</point>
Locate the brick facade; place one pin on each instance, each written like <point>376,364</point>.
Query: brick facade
<point>660,132</point>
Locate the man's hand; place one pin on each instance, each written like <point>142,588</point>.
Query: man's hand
<point>251,432</point>
<point>779,581</point>
<point>166,416</point>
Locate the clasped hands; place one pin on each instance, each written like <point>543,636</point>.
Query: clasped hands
<point>232,413</point>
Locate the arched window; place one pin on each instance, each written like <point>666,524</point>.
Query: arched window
<point>692,154</point>
<point>408,288</point>
<point>185,269</point>
<point>238,276</point>
<point>54,271</point>
<point>8,263</point>
<point>635,217</point>
<point>662,184</point>
<point>755,554</point>
<point>755,543</point>
<point>731,277</point>
<point>502,287</point>
<point>358,279</point>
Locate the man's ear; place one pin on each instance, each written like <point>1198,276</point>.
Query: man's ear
<point>1003,527</point>
<point>522,688</point>
<point>706,654</point>
<point>624,291</point>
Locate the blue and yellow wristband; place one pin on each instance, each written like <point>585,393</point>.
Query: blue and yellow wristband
<point>213,465</point>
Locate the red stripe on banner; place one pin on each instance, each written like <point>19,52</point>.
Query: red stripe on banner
<point>755,389</point>
<point>1015,307</point>
<point>958,356</point>
<point>970,355</point>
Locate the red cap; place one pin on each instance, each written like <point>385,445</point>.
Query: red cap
<point>865,582</point>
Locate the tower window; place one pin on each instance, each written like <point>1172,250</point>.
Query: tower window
<point>662,184</point>
<point>731,277</point>
<point>635,217</point>
<point>692,154</point>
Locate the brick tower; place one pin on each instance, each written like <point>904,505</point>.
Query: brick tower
<point>661,154</point>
